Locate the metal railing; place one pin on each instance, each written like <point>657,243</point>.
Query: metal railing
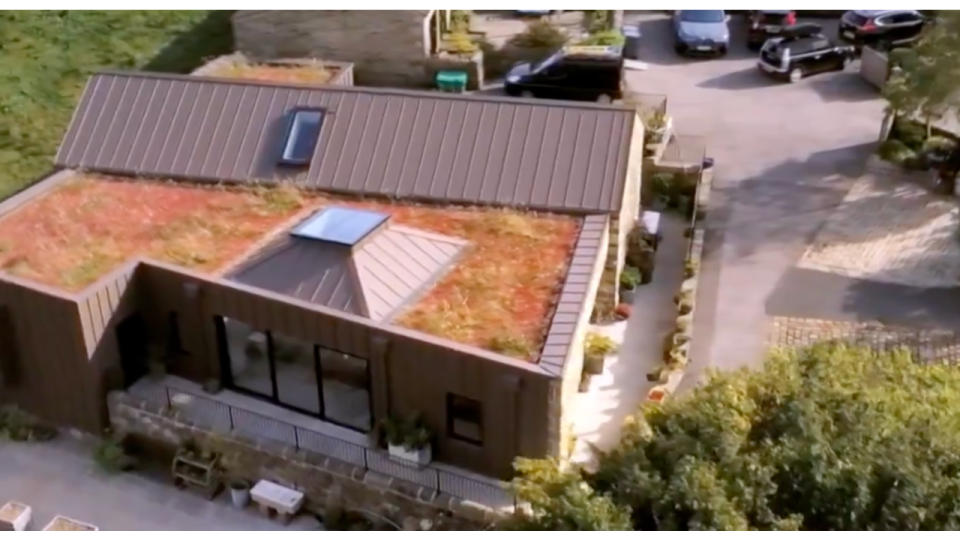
<point>223,418</point>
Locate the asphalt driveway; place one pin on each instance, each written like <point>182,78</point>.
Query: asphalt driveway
<point>785,155</point>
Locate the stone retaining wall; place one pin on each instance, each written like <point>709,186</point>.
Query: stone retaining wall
<point>325,481</point>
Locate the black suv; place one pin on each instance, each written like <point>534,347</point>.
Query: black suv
<point>882,29</point>
<point>592,73</point>
<point>803,50</point>
<point>764,25</point>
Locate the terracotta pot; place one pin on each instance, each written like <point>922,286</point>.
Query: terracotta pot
<point>656,394</point>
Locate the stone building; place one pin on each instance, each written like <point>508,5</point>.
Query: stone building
<point>387,47</point>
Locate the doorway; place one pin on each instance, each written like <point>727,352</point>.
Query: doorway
<point>134,345</point>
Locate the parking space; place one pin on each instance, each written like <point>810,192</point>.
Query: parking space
<point>785,155</point>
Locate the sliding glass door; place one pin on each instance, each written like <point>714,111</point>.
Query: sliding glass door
<point>302,376</point>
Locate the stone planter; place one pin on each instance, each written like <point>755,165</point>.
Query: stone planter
<point>15,516</point>
<point>416,456</point>
<point>61,523</point>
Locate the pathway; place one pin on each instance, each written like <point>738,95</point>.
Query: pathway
<point>622,387</point>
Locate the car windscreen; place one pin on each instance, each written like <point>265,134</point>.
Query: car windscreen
<point>856,19</point>
<point>772,17</point>
<point>702,15</point>
<point>542,65</point>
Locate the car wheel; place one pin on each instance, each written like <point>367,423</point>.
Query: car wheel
<point>796,74</point>
<point>527,94</point>
<point>604,98</point>
<point>679,49</point>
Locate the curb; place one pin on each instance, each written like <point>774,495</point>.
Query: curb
<point>661,392</point>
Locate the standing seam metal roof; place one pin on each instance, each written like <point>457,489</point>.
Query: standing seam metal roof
<point>378,280</point>
<point>463,149</point>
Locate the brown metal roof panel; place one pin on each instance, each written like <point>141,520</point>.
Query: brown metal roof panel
<point>76,120</point>
<point>389,142</point>
<point>303,269</point>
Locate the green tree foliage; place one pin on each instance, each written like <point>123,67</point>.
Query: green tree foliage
<point>826,438</point>
<point>926,78</point>
<point>562,501</point>
<point>47,56</point>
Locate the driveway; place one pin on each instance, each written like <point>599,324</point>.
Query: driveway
<point>785,156</point>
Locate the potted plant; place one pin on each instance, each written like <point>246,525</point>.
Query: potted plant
<point>623,312</point>
<point>596,347</point>
<point>658,124</point>
<point>629,280</point>
<point>408,439</point>
<point>239,492</point>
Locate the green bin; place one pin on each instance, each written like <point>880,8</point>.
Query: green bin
<point>452,81</point>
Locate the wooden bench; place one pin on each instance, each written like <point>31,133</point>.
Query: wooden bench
<point>274,499</point>
<point>651,224</point>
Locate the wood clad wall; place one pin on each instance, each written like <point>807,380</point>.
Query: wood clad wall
<point>409,375</point>
<point>54,380</point>
<point>101,308</point>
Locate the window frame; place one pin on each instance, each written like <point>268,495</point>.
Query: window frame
<point>288,142</point>
<point>227,376</point>
<point>452,418</point>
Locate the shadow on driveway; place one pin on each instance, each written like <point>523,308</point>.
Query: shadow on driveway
<point>739,80</point>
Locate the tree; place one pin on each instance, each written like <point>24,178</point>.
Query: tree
<point>562,501</point>
<point>925,79</point>
<point>826,438</point>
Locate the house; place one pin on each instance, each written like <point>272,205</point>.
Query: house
<point>303,261</point>
<point>404,40</point>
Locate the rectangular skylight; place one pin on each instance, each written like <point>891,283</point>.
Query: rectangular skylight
<point>339,225</point>
<point>302,137</point>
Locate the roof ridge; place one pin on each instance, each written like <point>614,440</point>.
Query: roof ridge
<point>480,98</point>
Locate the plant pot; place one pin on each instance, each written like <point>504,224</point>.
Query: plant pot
<point>657,394</point>
<point>417,456</point>
<point>593,364</point>
<point>239,493</point>
<point>61,523</point>
<point>15,516</point>
<point>646,275</point>
<point>627,295</point>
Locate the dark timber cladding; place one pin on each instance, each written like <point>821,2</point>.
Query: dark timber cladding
<point>410,144</point>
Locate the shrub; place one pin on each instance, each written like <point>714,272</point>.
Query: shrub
<point>910,133</point>
<point>936,143</point>
<point>599,345</point>
<point>541,37</point>
<point>410,432</point>
<point>895,151</point>
<point>630,278</point>
<point>689,269</point>
<point>460,43</point>
<point>460,20</point>
<point>607,38</point>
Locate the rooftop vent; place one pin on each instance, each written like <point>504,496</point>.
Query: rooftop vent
<point>339,225</point>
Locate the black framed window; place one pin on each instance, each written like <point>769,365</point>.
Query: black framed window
<point>464,419</point>
<point>302,136</point>
<point>295,374</point>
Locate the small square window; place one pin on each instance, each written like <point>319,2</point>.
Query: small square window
<point>464,419</point>
<point>302,137</point>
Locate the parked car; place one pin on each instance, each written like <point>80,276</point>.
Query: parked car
<point>882,29</point>
<point>537,12</point>
<point>701,31</point>
<point>803,50</point>
<point>766,24</point>
<point>592,73</point>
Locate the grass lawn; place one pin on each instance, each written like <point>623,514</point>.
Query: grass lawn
<point>46,57</point>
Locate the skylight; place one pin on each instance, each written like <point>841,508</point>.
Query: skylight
<point>339,225</point>
<point>302,137</point>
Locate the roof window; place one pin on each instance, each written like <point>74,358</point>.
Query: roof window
<point>339,225</point>
<point>302,137</point>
